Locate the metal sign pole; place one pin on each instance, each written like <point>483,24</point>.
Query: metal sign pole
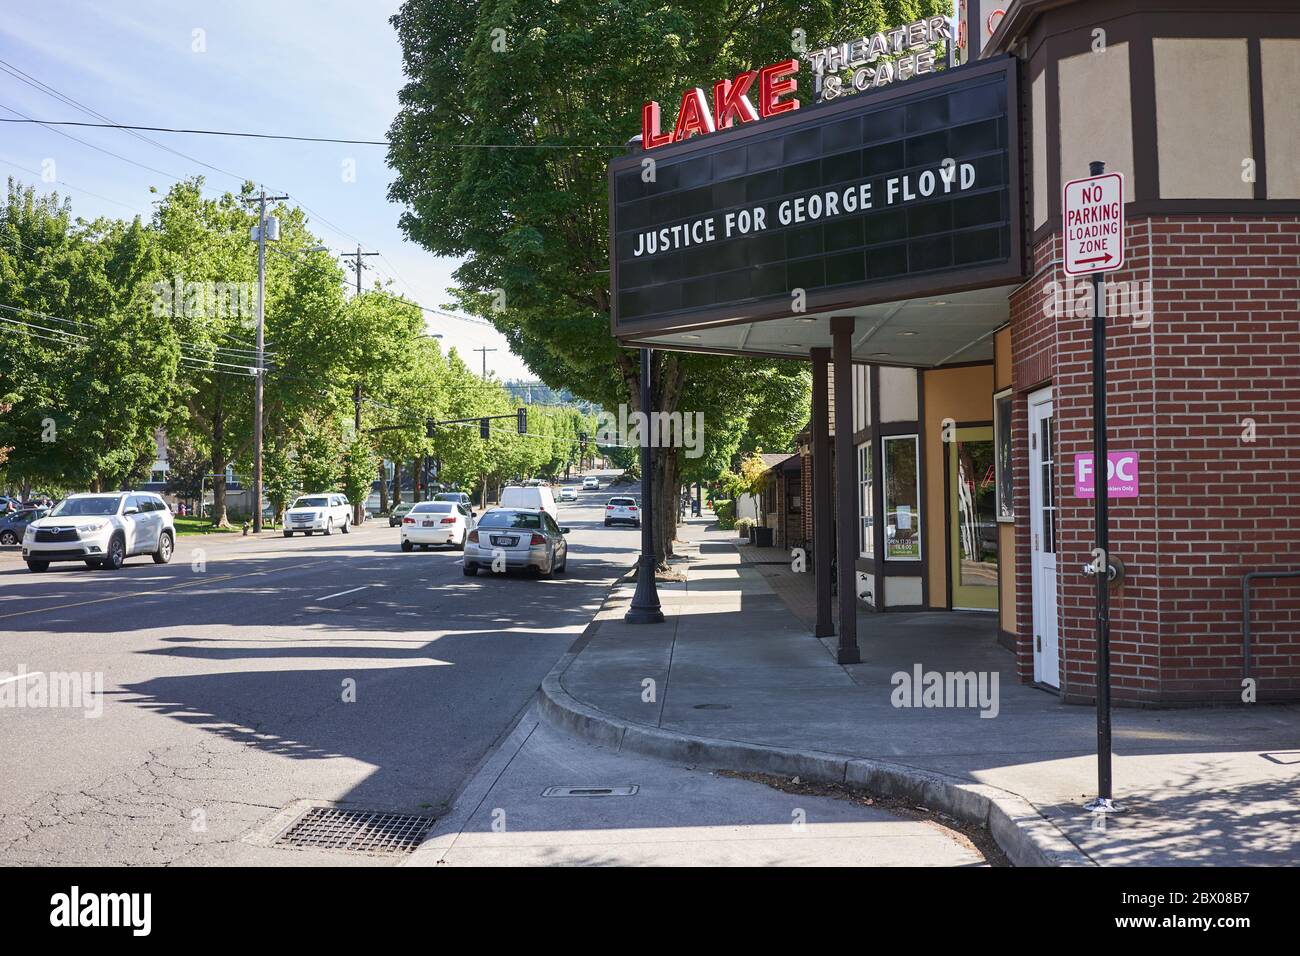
<point>1100,486</point>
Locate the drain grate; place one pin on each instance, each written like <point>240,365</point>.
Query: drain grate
<point>590,791</point>
<point>361,831</point>
<point>713,707</point>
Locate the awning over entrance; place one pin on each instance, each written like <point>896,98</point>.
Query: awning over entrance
<point>924,333</point>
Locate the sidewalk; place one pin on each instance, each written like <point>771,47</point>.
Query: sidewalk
<point>734,679</point>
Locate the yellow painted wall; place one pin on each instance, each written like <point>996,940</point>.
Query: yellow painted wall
<point>964,394</point>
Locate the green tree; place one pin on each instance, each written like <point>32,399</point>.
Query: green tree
<point>531,223</point>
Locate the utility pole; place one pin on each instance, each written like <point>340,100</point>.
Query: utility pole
<point>358,507</point>
<point>262,200</point>
<point>356,258</point>
<point>485,351</point>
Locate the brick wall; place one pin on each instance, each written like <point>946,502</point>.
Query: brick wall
<point>1222,346</point>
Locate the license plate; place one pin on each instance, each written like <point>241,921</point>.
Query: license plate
<point>428,524</point>
<point>504,541</point>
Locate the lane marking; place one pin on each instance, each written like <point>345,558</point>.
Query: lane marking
<point>175,587</point>
<point>10,680</point>
<point>341,593</point>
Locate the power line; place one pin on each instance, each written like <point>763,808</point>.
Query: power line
<point>304,139</point>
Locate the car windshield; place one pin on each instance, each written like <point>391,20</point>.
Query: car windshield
<point>312,503</point>
<point>95,505</point>
<point>438,506</point>
<point>510,519</point>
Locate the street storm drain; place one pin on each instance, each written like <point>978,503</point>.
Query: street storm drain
<point>590,791</point>
<point>713,707</point>
<point>359,831</point>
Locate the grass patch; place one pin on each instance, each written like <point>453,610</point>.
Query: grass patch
<point>190,525</point>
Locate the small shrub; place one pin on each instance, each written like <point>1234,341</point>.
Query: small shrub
<point>725,509</point>
<point>743,525</point>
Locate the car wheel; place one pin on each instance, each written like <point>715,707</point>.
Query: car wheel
<point>329,526</point>
<point>38,566</point>
<point>564,565</point>
<point>406,546</point>
<point>8,537</point>
<point>606,522</point>
<point>469,569</point>
<point>288,534</point>
<point>347,524</point>
<point>164,552</point>
<point>308,533</point>
<point>460,545</point>
<point>116,552</point>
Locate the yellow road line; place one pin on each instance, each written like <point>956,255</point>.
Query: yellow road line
<point>174,587</point>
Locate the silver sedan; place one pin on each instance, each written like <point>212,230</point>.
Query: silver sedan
<point>517,538</point>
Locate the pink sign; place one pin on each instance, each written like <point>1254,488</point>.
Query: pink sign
<point>1121,476</point>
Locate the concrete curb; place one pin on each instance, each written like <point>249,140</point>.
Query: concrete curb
<point>1024,834</point>
<point>1027,838</point>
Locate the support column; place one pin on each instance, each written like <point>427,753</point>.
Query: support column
<point>823,528</point>
<point>846,490</point>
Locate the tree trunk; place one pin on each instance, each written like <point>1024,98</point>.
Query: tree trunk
<point>397,482</point>
<point>219,517</point>
<point>383,489</point>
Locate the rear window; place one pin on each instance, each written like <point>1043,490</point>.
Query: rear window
<point>624,502</point>
<point>510,519</point>
<point>436,506</point>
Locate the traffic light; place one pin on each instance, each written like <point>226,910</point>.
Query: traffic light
<point>522,416</point>
<point>582,437</point>
<point>484,430</point>
<point>428,428</point>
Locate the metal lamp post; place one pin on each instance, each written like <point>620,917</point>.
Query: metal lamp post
<point>645,607</point>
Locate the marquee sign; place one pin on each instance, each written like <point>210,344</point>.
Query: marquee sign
<point>910,192</point>
<point>731,104</point>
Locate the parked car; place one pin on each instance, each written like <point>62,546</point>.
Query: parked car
<point>537,497</point>
<point>436,522</point>
<point>522,538</point>
<point>569,493</point>
<point>459,497</point>
<point>622,510</point>
<point>102,530</point>
<point>591,483</point>
<point>322,512</point>
<point>14,523</point>
<point>398,512</point>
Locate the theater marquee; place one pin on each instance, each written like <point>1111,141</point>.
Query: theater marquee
<point>912,191</point>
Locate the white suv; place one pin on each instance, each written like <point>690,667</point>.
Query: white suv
<point>323,512</point>
<point>101,529</point>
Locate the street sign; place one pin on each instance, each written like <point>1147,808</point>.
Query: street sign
<point>1092,213</point>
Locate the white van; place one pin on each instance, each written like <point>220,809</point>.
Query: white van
<point>539,498</point>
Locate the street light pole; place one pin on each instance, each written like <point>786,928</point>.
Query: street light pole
<point>645,608</point>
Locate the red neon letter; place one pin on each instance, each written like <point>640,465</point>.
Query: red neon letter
<point>650,135</point>
<point>729,100</point>
<point>693,117</point>
<point>771,86</point>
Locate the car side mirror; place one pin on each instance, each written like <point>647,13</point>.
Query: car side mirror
<point>564,531</point>
<point>131,511</point>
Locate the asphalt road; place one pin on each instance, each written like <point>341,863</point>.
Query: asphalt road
<point>225,683</point>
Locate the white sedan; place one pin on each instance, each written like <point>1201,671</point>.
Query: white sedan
<point>569,493</point>
<point>436,522</point>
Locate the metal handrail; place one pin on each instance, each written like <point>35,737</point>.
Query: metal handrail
<point>1245,611</point>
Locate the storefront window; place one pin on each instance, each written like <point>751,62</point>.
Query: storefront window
<point>902,499</point>
<point>1002,442</point>
<point>866,540</point>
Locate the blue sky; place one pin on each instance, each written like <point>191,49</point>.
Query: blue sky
<point>322,68</point>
